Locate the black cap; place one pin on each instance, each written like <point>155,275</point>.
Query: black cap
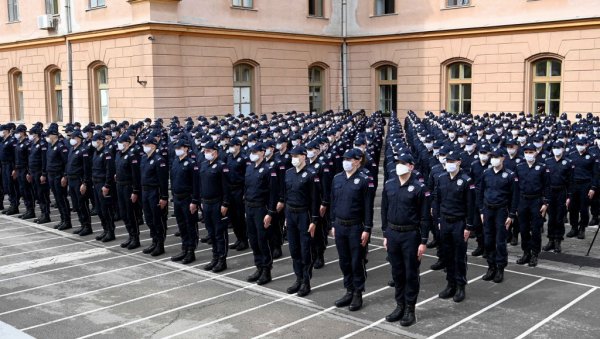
<point>150,140</point>
<point>405,158</point>
<point>298,150</point>
<point>353,154</point>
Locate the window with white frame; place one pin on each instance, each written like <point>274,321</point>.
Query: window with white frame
<point>459,88</point>
<point>383,7</point>
<point>243,77</point>
<point>315,89</point>
<point>546,83</point>
<point>458,3</point>
<point>315,8</point>
<point>97,3</point>
<point>388,88</point>
<point>13,10</point>
<point>243,3</point>
<point>52,7</point>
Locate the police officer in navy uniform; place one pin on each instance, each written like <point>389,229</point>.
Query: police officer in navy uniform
<point>103,176</point>
<point>213,188</point>
<point>78,177</point>
<point>352,218</point>
<point>155,195</point>
<point>455,198</point>
<point>302,202</point>
<point>559,171</point>
<point>56,160</point>
<point>405,218</point>
<point>37,164</point>
<point>127,164</point>
<point>533,203</point>
<point>236,166</point>
<point>497,203</point>
<point>583,187</point>
<point>477,169</point>
<point>262,194</point>
<point>21,171</point>
<point>184,171</point>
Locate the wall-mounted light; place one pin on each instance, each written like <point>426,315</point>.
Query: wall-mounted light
<point>142,82</point>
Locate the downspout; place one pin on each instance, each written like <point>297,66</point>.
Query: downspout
<point>344,54</point>
<point>69,58</point>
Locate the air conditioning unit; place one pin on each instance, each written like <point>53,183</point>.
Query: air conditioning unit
<point>46,22</point>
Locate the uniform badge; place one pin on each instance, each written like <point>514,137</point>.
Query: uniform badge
<point>125,157</point>
<point>587,157</point>
<point>411,188</point>
<point>356,181</point>
<point>272,163</point>
<point>537,168</point>
<point>76,152</point>
<point>459,182</point>
<point>505,175</point>
<point>518,161</point>
<point>54,148</point>
<point>37,146</point>
<point>564,162</point>
<point>185,163</point>
<point>239,159</point>
<point>261,170</point>
<point>476,156</point>
<point>316,165</point>
<point>24,145</point>
<point>304,174</point>
<point>214,166</point>
<point>543,156</point>
<point>151,162</point>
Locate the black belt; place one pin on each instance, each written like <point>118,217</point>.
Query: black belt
<point>72,177</point>
<point>581,181</point>
<point>297,209</point>
<point>235,187</point>
<point>348,222</point>
<point>211,201</point>
<point>558,188</point>
<point>182,196</point>
<point>124,183</point>
<point>98,180</point>
<point>403,228</point>
<point>254,204</point>
<point>149,188</point>
<point>531,196</point>
<point>452,219</point>
<point>495,206</point>
<point>6,163</point>
<point>55,174</point>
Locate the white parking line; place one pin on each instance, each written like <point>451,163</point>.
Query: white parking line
<point>383,319</point>
<point>275,330</point>
<point>57,259</point>
<point>24,235</point>
<point>456,324</point>
<point>553,315</point>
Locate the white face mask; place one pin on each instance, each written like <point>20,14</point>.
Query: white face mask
<point>522,139</point>
<point>461,140</point>
<point>401,169</point>
<point>429,145</point>
<point>511,151</point>
<point>347,165</point>
<point>209,156</point>
<point>580,148</point>
<point>442,160</point>
<point>147,149</point>
<point>30,137</point>
<point>114,134</point>
<point>73,142</point>
<point>529,157</point>
<point>451,135</point>
<point>488,136</point>
<point>251,143</point>
<point>484,157</point>
<point>279,146</point>
<point>469,148</point>
<point>451,167</point>
<point>436,151</point>
<point>268,152</point>
<point>120,146</point>
<point>48,140</point>
<point>254,157</point>
<point>296,162</point>
<point>557,152</point>
<point>179,152</point>
<point>538,144</point>
<point>495,162</point>
<point>311,154</point>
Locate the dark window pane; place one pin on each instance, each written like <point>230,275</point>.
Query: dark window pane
<point>540,68</point>
<point>467,107</point>
<point>467,71</point>
<point>556,68</point>
<point>540,107</point>
<point>394,72</point>
<point>540,91</point>
<point>454,106</point>
<point>454,71</point>
<point>454,92</point>
<point>554,107</point>
<point>555,90</point>
<point>466,91</point>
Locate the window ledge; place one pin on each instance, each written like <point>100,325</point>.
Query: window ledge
<point>449,8</point>
<point>317,17</point>
<point>382,15</point>
<point>252,9</point>
<point>13,22</point>
<point>95,8</point>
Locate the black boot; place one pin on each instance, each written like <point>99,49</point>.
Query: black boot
<point>57,226</point>
<point>87,230</point>
<point>265,277</point>
<point>499,275</point>
<point>110,236</point>
<point>177,234</point>
<point>29,214</point>
<point>180,256</point>
<point>220,266</point>
<point>44,219</point>
<point>150,248</point>
<point>524,259</point>
<point>295,287</point>
<point>594,221</point>
<point>549,246</point>
<point>534,260</point>
<point>477,252</point>
<point>254,276</point>
<point>211,264</point>
<point>409,317</point>
<point>581,234</point>
<point>396,314</point>
<point>448,292</point>
<point>432,244</point>
<point>514,241</point>
<point>12,210</point>
<point>65,226</point>
<point>204,239</point>
<point>234,245</point>
<point>438,265</point>
<point>101,235</point>
<point>391,283</point>
<point>319,262</point>
<point>345,300</point>
<point>190,257</point>
<point>159,249</point>
<point>242,246</point>
<point>357,301</point>
<point>127,242</point>
<point>490,274</point>
<point>572,233</point>
<point>304,290</point>
<point>277,252</point>
<point>135,243</point>
<point>460,294</point>
<point>557,246</point>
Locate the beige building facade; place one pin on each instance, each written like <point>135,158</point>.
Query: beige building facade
<point>97,60</point>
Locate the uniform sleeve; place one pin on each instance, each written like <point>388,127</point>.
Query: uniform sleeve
<point>425,214</point>
<point>326,178</point>
<point>195,183</point>
<point>274,191</point>
<point>568,181</point>
<point>163,179</point>
<point>384,209</point>
<point>547,192</point>
<point>135,172</point>
<point>44,150</point>
<point>315,197</point>
<point>109,162</point>
<point>281,181</point>
<point>470,199</point>
<point>225,185</point>
<point>87,166</point>
<point>332,203</point>
<point>369,202</point>
<point>596,175</point>
<point>514,199</point>
<point>64,156</point>
<point>480,194</point>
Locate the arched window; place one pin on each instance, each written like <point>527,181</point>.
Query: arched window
<point>243,78</point>
<point>546,83</point>
<point>387,88</point>
<point>99,103</point>
<point>54,96</point>
<point>16,100</point>
<point>316,80</point>
<point>459,87</point>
